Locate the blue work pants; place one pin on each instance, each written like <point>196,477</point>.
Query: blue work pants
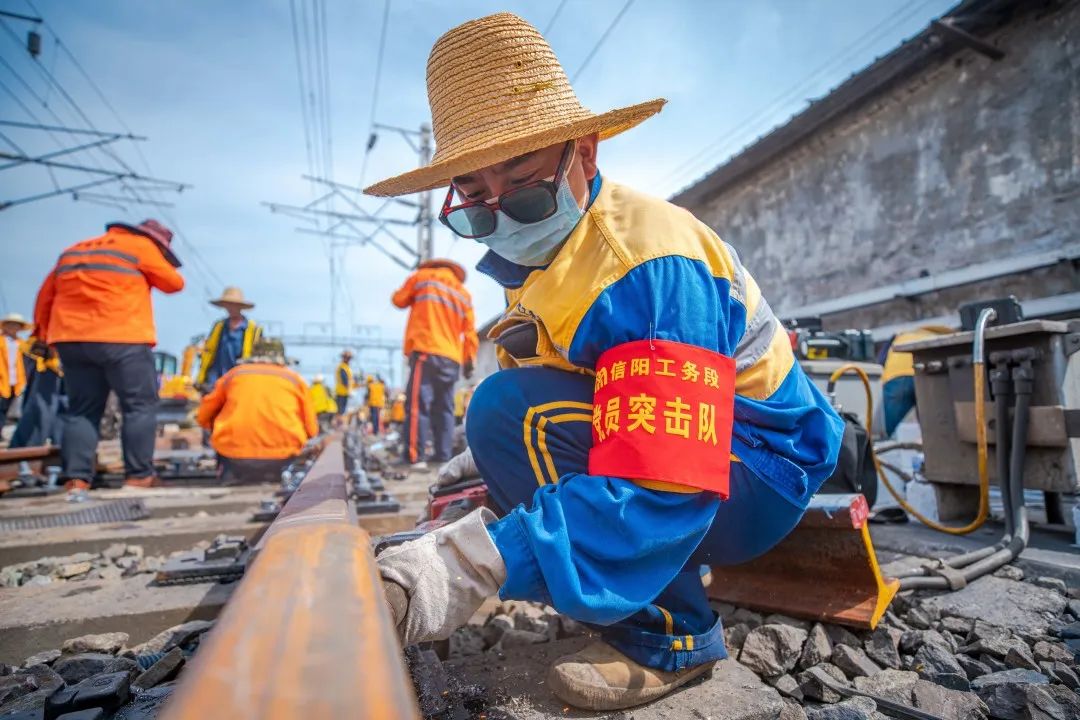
<point>429,407</point>
<point>41,415</point>
<point>526,428</point>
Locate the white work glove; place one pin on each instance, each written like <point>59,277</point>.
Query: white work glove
<point>434,585</point>
<point>458,468</point>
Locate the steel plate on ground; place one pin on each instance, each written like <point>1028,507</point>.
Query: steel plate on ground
<point>826,569</point>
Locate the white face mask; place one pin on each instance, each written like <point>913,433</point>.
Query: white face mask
<point>536,244</point>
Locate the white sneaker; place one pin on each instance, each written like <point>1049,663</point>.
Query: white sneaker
<point>422,465</point>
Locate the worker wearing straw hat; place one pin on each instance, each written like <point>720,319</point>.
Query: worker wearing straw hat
<point>650,417</point>
<point>231,339</point>
<point>12,367</point>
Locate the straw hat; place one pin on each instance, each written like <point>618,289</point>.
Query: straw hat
<point>16,319</point>
<point>232,296</point>
<point>496,91</point>
<point>459,272</point>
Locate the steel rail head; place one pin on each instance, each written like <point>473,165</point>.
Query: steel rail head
<point>307,633</point>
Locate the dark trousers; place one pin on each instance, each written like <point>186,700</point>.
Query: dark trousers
<point>375,413</point>
<point>43,407</point>
<point>243,471</point>
<point>429,406</point>
<point>5,405</point>
<point>91,370</point>
<point>342,403</point>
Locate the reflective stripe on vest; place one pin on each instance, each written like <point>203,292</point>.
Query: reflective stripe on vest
<point>267,371</point>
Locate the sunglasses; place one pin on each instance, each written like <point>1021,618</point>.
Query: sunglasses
<point>527,204</point>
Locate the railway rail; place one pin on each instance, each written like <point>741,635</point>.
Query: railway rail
<point>307,633</point>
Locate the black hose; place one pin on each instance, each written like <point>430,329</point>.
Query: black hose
<point>999,385</point>
<point>1011,545</point>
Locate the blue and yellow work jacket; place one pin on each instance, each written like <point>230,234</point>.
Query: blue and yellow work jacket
<point>634,268</point>
<point>214,346</point>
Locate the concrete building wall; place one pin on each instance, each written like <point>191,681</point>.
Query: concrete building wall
<point>969,161</point>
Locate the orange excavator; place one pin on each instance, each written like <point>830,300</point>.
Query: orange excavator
<point>177,394</point>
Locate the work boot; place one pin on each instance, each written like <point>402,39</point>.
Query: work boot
<point>142,483</point>
<point>599,677</point>
<point>76,484</point>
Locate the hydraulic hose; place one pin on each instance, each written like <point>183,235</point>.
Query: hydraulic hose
<point>978,362</point>
<point>1010,547</point>
<point>999,385</point>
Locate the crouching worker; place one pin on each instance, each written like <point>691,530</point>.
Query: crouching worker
<point>259,416</point>
<point>651,417</point>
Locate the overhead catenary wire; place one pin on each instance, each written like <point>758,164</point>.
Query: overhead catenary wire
<point>198,264</point>
<point>301,85</point>
<point>600,43</point>
<point>375,90</point>
<point>327,95</point>
<point>713,151</point>
<point>554,17</point>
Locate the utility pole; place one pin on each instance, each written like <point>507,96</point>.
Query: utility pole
<point>425,240</point>
<point>350,227</point>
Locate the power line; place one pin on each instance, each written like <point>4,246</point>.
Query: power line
<point>54,83</point>
<point>551,22</point>
<point>300,85</point>
<point>326,94</point>
<point>375,91</point>
<point>600,42</point>
<point>710,153</point>
<point>200,271</point>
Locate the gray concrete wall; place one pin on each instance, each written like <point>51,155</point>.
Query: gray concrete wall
<point>970,161</point>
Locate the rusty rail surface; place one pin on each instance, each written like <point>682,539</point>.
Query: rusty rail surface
<point>36,457</point>
<point>307,634</point>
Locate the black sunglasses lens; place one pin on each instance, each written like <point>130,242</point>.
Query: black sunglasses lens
<point>529,204</point>
<point>472,222</point>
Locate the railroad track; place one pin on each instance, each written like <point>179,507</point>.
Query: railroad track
<point>306,634</point>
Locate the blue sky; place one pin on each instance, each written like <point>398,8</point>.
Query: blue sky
<point>214,87</point>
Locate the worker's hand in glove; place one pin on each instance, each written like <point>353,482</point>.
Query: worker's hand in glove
<point>458,468</point>
<point>434,585</point>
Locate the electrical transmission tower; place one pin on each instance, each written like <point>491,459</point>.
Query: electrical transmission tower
<point>88,161</point>
<point>101,175</point>
<point>357,226</point>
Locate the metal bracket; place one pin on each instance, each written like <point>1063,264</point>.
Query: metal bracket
<point>954,577</point>
<point>951,30</point>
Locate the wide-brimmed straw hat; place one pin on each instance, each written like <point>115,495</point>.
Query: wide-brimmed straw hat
<point>497,91</point>
<point>15,318</point>
<point>232,296</point>
<point>459,272</point>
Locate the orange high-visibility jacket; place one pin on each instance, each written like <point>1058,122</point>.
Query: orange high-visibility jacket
<point>99,291</point>
<point>441,317</point>
<point>18,383</point>
<point>259,411</point>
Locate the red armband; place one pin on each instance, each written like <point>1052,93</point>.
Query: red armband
<point>662,411</point>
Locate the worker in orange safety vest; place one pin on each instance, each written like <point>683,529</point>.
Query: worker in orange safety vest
<point>260,417</point>
<point>441,343</point>
<point>95,308</point>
